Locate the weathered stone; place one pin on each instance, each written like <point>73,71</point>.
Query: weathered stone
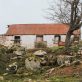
<point>12,68</point>
<point>13,64</point>
<point>32,65</point>
<point>25,74</point>
<point>1,78</point>
<point>67,63</point>
<point>40,53</point>
<point>43,63</point>
<point>13,58</point>
<point>5,74</point>
<point>30,80</point>
<point>18,53</point>
<point>60,59</point>
<point>76,62</point>
<point>65,59</point>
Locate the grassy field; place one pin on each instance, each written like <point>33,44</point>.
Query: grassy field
<point>51,79</point>
<point>65,79</point>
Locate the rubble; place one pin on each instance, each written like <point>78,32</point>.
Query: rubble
<point>32,64</point>
<point>40,53</point>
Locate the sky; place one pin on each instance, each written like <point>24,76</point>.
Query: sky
<point>22,12</point>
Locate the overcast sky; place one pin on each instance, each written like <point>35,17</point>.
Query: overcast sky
<point>22,11</point>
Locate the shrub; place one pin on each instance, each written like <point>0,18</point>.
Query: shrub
<point>4,58</point>
<point>75,49</point>
<point>57,50</point>
<point>2,67</point>
<point>40,45</point>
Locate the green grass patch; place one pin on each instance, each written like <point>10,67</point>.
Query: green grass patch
<point>65,79</point>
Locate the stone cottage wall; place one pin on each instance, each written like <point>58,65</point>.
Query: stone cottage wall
<point>28,41</point>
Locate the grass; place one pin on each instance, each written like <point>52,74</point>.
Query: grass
<point>51,79</point>
<point>65,79</point>
<point>15,80</point>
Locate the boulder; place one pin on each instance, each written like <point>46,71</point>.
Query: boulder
<point>67,63</point>
<point>32,64</point>
<point>12,68</point>
<point>40,53</point>
<point>68,60</point>
<point>60,60</point>
<point>43,63</point>
<point>65,59</point>
<point>19,53</point>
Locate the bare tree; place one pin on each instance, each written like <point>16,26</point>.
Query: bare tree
<point>67,12</point>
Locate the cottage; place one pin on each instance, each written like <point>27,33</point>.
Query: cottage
<point>28,35</point>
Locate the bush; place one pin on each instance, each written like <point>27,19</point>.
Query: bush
<point>2,67</point>
<point>74,49</point>
<point>40,45</point>
<point>57,50</point>
<point>4,58</point>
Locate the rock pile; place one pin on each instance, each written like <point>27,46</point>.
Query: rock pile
<point>67,60</point>
<point>32,64</point>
